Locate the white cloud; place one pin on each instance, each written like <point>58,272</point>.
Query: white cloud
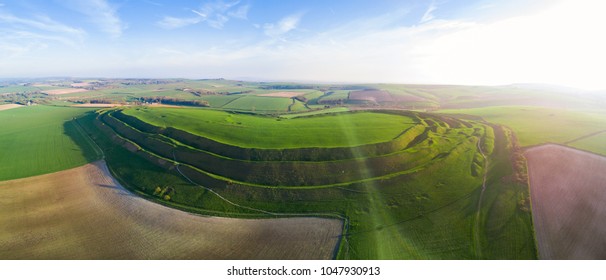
<point>428,15</point>
<point>172,22</point>
<point>42,23</point>
<point>561,44</point>
<point>35,33</point>
<point>215,14</point>
<point>100,13</point>
<point>284,26</point>
<point>241,12</point>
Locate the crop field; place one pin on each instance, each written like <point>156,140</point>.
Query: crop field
<point>595,143</point>
<point>371,95</point>
<point>266,132</point>
<point>9,106</point>
<point>332,96</point>
<point>83,213</point>
<point>64,91</point>
<point>258,104</point>
<point>568,190</point>
<point>41,139</point>
<point>420,195</point>
<point>538,125</point>
<point>18,89</point>
<point>284,94</point>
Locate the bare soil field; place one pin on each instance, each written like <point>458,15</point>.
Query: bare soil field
<point>83,213</point>
<point>9,106</point>
<point>64,91</point>
<point>285,94</point>
<point>97,105</point>
<point>568,192</point>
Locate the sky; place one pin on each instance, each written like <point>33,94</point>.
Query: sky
<point>475,42</point>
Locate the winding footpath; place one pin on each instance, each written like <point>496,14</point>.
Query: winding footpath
<point>477,243</point>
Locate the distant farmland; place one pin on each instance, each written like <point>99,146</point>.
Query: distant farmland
<point>568,189</point>
<point>83,213</point>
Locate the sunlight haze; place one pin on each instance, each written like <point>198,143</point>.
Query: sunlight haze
<point>436,42</point>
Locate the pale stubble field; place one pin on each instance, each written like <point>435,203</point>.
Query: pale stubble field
<point>83,213</point>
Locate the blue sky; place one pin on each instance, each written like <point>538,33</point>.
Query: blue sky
<point>440,41</point>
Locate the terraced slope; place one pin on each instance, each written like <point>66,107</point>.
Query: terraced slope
<point>414,195</point>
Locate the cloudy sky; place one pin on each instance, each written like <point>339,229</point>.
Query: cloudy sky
<point>441,41</point>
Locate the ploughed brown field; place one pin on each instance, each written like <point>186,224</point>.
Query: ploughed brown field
<point>83,213</point>
<point>568,191</point>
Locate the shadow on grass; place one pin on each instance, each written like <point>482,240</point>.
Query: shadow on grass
<point>81,138</point>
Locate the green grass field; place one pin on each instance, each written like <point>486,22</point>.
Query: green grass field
<point>341,130</point>
<point>41,139</point>
<point>537,125</point>
<point>18,89</point>
<point>595,143</point>
<point>258,104</point>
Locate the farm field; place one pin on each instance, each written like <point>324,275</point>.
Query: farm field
<point>90,216</point>
<point>64,91</point>
<point>568,189</point>
<point>9,106</point>
<point>419,201</point>
<point>595,143</point>
<point>42,139</point>
<point>266,132</point>
<point>259,104</point>
<point>539,125</point>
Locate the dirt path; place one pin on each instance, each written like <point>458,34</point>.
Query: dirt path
<point>83,213</point>
<point>568,191</point>
<point>477,243</point>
